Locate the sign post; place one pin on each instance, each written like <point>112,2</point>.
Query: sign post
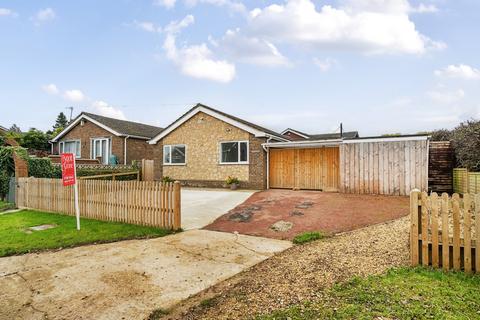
<point>69,178</point>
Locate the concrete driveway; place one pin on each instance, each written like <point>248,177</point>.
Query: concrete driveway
<point>127,279</point>
<point>201,207</point>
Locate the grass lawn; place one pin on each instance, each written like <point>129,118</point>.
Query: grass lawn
<point>14,239</point>
<point>404,293</point>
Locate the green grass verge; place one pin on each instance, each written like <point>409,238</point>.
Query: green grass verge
<point>307,237</point>
<point>14,239</point>
<point>399,294</point>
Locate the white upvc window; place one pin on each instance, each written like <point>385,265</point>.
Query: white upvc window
<point>70,146</point>
<point>234,152</point>
<point>101,148</point>
<point>175,154</point>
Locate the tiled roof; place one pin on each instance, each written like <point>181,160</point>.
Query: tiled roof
<point>126,128</point>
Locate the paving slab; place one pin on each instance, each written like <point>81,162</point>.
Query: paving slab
<point>201,207</point>
<point>127,279</point>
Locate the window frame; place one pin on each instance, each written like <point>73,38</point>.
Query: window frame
<point>61,145</point>
<point>239,153</point>
<point>170,146</point>
<point>108,141</point>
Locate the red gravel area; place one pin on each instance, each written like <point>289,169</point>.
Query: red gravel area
<point>309,211</point>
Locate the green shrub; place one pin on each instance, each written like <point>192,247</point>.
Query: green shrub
<point>307,237</point>
<point>43,168</point>
<point>232,180</point>
<point>4,184</point>
<point>167,179</point>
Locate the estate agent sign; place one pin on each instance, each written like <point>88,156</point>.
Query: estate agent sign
<point>69,178</point>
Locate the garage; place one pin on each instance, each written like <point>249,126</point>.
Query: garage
<point>371,165</point>
<point>305,168</point>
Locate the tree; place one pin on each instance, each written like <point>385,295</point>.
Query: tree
<point>61,122</point>
<point>441,135</point>
<point>36,140</point>
<point>15,129</point>
<point>466,141</point>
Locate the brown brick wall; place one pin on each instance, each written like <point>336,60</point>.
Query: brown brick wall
<point>258,164</point>
<point>137,149</point>
<point>202,135</point>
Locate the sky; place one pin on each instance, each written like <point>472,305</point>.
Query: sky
<point>377,66</point>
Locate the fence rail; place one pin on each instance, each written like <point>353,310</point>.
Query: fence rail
<point>465,181</point>
<point>445,231</point>
<point>147,203</point>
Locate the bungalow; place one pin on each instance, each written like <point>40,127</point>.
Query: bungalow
<point>205,146</point>
<point>91,136</point>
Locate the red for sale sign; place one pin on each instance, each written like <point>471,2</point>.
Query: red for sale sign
<point>68,169</point>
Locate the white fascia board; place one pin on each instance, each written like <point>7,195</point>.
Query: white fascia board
<point>179,122</point>
<point>388,139</point>
<point>295,132</point>
<point>303,144</point>
<point>74,123</point>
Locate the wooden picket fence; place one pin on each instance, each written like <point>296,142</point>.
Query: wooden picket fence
<point>148,203</point>
<point>445,231</point>
<point>465,181</point>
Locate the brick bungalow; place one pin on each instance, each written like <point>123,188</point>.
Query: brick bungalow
<point>205,146</point>
<point>92,136</point>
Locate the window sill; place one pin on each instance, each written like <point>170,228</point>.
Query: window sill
<point>233,163</point>
<point>174,164</point>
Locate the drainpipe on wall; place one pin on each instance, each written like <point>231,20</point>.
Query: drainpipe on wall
<point>267,149</point>
<point>125,150</point>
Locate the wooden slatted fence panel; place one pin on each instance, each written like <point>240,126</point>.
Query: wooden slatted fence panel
<point>391,168</point>
<point>137,202</point>
<point>445,231</point>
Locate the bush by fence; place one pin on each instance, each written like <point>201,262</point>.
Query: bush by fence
<point>445,231</point>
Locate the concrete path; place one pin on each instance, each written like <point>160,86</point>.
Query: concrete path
<point>201,207</point>
<point>124,280</point>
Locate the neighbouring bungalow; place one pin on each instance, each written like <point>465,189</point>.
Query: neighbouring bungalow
<point>108,140</point>
<point>205,146</point>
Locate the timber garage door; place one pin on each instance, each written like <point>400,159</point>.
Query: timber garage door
<point>311,169</point>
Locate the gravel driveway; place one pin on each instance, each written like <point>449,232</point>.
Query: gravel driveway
<point>302,272</point>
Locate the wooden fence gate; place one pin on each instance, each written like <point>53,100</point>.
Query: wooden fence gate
<point>445,231</point>
<point>310,169</point>
<point>138,202</point>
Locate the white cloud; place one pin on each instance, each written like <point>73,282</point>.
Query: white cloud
<point>165,3</point>
<point>425,8</point>
<point>104,109</point>
<point>196,61</point>
<point>446,97</point>
<point>251,50</point>
<point>235,6</point>
<point>147,26</point>
<point>74,95</point>
<point>44,15</point>
<point>175,27</point>
<point>368,26</point>
<point>4,12</point>
<point>50,89</point>
<point>324,64</point>
<point>461,71</point>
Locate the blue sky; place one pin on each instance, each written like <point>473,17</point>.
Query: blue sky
<point>378,66</point>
